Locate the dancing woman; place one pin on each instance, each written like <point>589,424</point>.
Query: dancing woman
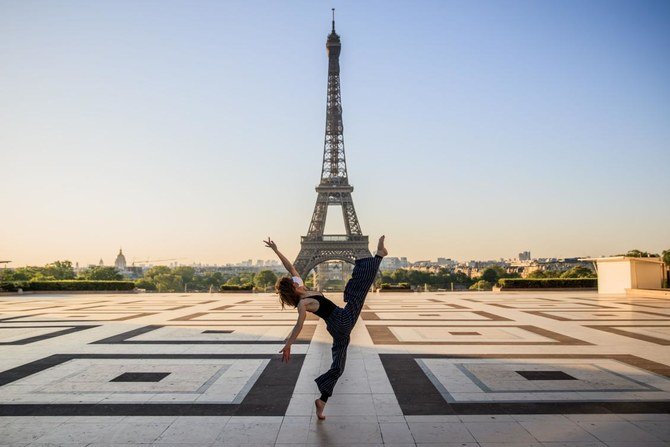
<point>339,321</point>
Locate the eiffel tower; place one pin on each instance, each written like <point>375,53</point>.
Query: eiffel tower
<point>334,188</point>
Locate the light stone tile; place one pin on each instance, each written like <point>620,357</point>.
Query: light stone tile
<point>396,433</point>
<point>255,419</point>
<point>222,420</point>
<point>241,444</point>
<point>107,420</point>
<point>637,444</point>
<point>435,418</point>
<point>575,444</point>
<point>659,429</point>
<point>450,444</point>
<point>557,431</point>
<point>248,432</point>
<point>539,417</point>
<point>37,444</point>
<point>485,417</point>
<point>508,431</point>
<point>617,431</point>
<point>345,430</point>
<point>302,404</point>
<point>511,444</point>
<point>392,418</point>
<point>76,433</point>
<point>386,404</point>
<point>646,417</point>
<point>167,420</point>
<point>379,383</point>
<point>127,433</point>
<point>594,417</point>
<point>33,420</point>
<point>427,432</point>
<point>294,429</point>
<point>193,430</point>
<point>343,404</point>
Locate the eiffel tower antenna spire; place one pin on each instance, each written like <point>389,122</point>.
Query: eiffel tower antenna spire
<point>334,188</point>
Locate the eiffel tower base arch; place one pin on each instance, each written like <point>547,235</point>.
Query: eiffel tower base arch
<point>313,253</point>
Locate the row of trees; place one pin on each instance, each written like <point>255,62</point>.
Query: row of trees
<point>575,272</point>
<point>665,254</point>
<point>60,270</point>
<point>158,278</point>
<point>443,279</point>
<point>185,278</point>
<point>54,271</point>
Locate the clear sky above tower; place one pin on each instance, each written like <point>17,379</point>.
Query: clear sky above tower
<point>473,130</point>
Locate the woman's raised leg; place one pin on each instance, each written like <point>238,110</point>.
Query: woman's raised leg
<point>362,278</point>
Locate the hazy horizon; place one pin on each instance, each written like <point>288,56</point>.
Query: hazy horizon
<point>195,130</point>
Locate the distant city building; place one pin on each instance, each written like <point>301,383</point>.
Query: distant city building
<point>446,262</point>
<point>134,271</point>
<point>524,256</point>
<point>120,262</point>
<point>525,268</point>
<point>391,263</point>
<point>101,263</point>
<point>332,275</point>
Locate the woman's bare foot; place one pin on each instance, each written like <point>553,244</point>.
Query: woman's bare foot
<point>320,405</point>
<point>381,250</point>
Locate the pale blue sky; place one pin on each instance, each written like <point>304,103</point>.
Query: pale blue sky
<point>193,129</point>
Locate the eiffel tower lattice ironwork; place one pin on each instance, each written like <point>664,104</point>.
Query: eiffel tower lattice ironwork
<point>334,188</point>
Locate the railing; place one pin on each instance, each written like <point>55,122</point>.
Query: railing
<point>334,238</point>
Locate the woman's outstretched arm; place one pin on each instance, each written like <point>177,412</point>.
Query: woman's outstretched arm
<point>302,314</point>
<point>287,264</point>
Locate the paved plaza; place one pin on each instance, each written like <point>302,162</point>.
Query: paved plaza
<point>453,369</point>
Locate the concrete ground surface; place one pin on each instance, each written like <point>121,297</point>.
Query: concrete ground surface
<point>441,369</point>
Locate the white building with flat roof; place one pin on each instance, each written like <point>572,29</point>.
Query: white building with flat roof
<point>617,274</point>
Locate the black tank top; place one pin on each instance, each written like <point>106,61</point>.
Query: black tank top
<point>326,306</point>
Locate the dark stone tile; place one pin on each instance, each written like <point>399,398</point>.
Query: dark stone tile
<point>141,377</point>
<point>545,375</point>
<point>68,330</point>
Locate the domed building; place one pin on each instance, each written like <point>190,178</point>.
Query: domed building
<point>120,262</point>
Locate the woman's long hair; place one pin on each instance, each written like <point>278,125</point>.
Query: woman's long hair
<point>287,293</point>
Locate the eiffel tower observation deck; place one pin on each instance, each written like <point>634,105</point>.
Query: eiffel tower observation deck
<point>334,188</point>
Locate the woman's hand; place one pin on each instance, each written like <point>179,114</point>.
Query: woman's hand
<point>285,262</point>
<point>270,244</point>
<point>286,353</point>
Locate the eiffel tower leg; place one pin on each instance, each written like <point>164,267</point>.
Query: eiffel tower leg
<point>318,222</point>
<point>349,214</point>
